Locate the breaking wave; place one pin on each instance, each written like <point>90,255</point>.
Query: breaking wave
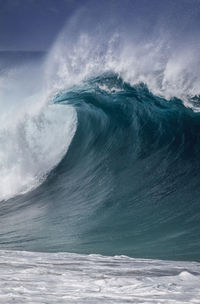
<point>99,145</point>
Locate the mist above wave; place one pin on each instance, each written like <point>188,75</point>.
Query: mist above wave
<point>94,42</point>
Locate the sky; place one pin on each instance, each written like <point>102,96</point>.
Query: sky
<point>34,24</point>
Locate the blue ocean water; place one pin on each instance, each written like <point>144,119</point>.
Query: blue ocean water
<point>128,183</point>
<point>99,169</point>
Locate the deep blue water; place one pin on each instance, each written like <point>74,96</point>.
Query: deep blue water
<point>128,184</point>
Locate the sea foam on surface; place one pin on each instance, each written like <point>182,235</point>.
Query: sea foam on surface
<point>27,277</point>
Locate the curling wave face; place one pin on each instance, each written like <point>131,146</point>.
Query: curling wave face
<point>100,142</point>
<point>128,183</point>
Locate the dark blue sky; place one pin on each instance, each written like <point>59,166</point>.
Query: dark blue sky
<point>34,24</point>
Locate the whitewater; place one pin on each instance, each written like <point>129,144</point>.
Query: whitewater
<point>28,277</point>
<point>100,166</point>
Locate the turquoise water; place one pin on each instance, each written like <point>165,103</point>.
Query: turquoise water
<point>100,154</point>
<point>128,184</point>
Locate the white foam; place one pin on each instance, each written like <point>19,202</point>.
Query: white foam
<point>27,277</point>
<point>32,145</point>
<point>34,133</point>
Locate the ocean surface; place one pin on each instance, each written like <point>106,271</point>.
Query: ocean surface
<point>28,277</point>
<point>100,174</point>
